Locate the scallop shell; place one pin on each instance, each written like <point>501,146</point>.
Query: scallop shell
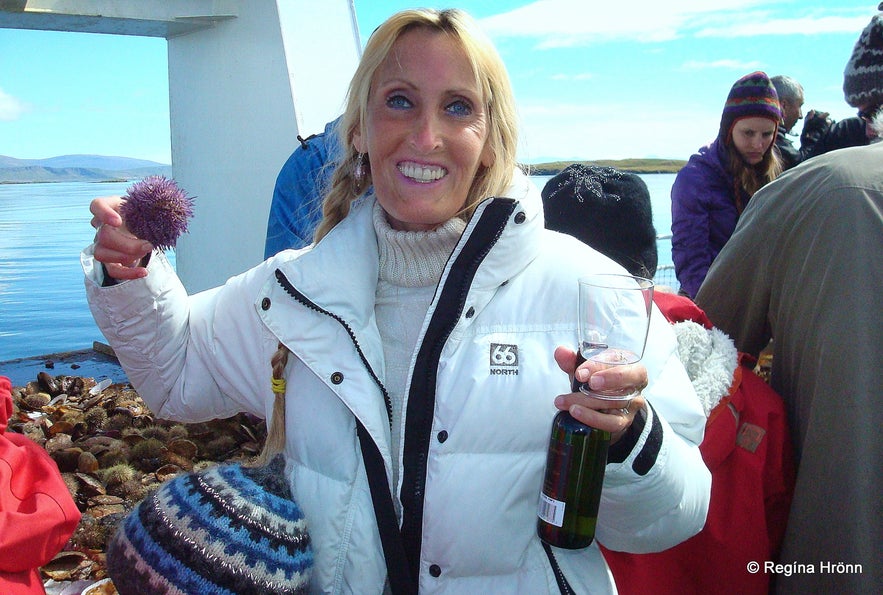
<point>34,401</point>
<point>61,427</point>
<point>67,565</point>
<point>167,472</point>
<point>185,448</point>
<point>87,462</point>
<point>102,587</point>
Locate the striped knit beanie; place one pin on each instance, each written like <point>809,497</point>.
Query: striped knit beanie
<point>751,96</point>
<point>863,76</point>
<point>226,530</point>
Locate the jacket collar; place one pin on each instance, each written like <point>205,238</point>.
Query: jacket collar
<point>340,272</point>
<point>518,243</point>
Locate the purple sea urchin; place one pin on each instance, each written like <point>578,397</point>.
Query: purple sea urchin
<point>157,210</point>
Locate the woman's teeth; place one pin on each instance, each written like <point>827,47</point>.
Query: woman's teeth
<point>420,173</point>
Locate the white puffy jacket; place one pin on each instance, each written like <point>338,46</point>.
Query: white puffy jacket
<point>476,427</point>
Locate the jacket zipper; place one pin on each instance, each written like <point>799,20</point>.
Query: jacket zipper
<point>421,398</point>
<point>301,298</point>
<point>399,581</point>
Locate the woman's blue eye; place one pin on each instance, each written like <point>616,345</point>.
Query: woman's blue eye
<point>460,108</point>
<point>398,102</point>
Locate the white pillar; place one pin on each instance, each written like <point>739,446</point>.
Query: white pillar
<point>239,93</point>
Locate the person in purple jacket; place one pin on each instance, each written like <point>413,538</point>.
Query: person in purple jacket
<point>712,189</point>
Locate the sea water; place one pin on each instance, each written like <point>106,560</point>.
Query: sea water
<point>43,228</point>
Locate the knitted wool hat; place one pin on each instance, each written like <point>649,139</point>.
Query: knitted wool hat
<point>753,95</point>
<point>607,209</point>
<point>229,529</point>
<point>863,76</point>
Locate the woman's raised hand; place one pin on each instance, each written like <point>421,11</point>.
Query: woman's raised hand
<point>123,255</point>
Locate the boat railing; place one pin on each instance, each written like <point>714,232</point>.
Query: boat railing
<point>665,273</point>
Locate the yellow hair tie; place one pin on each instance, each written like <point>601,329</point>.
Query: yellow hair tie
<point>278,385</point>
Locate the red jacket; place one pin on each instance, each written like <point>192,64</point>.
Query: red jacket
<point>747,448</point>
<point>37,513</point>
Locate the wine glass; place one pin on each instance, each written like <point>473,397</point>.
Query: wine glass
<point>614,319</point>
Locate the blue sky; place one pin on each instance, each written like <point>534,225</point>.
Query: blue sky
<point>593,79</point>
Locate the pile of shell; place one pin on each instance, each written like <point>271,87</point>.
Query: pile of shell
<point>111,451</point>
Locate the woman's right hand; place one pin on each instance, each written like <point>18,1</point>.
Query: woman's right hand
<point>123,255</point>
<point>598,413</point>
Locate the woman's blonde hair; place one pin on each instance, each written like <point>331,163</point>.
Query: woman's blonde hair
<point>496,92</point>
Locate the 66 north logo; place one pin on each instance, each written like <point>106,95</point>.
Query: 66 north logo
<point>504,359</point>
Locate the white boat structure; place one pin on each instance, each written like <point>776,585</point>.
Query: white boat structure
<point>246,77</point>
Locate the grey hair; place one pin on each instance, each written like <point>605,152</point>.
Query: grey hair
<point>877,121</point>
<point>787,88</point>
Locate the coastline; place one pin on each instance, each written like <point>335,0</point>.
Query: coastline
<point>17,174</point>
<point>635,166</point>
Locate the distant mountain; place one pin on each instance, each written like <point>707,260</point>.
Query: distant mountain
<point>100,168</point>
<point>78,168</point>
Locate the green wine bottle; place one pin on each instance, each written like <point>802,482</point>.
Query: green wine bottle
<point>568,507</point>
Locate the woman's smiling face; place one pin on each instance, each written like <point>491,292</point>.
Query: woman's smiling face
<point>426,130</point>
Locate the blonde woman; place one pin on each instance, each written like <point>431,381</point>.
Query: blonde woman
<point>415,452</point>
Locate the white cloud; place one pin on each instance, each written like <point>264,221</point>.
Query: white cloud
<point>722,64</point>
<point>10,107</point>
<point>568,130</point>
<point>572,23</point>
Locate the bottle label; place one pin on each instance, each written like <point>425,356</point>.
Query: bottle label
<point>551,510</point>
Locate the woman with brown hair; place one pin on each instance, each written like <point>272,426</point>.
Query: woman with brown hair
<point>711,191</point>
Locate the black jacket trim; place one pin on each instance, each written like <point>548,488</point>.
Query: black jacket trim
<point>563,585</point>
<point>421,398</point>
<point>650,451</point>
<point>619,452</point>
<point>401,582</point>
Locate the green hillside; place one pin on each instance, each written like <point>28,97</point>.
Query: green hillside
<point>638,166</point>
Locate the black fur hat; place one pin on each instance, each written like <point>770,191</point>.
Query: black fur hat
<point>607,209</point>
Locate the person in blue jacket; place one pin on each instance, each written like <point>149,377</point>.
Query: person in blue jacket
<point>297,198</point>
<point>715,185</point>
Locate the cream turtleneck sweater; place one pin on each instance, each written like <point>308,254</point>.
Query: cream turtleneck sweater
<point>411,264</point>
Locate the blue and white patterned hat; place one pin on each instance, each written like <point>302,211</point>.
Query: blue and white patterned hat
<point>229,529</point>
